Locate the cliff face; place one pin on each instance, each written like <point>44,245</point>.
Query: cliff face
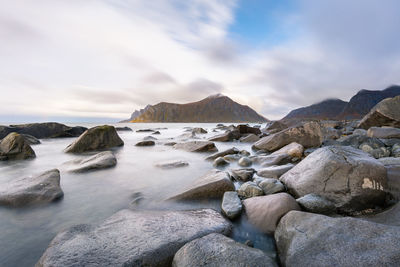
<point>216,108</point>
<point>324,110</point>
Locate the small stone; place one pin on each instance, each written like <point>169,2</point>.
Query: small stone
<point>245,162</point>
<point>271,186</point>
<point>250,189</point>
<point>220,162</point>
<point>146,143</point>
<point>231,205</point>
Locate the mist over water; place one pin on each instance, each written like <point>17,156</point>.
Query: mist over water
<point>91,197</point>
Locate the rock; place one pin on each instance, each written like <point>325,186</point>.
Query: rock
<point>384,132</point>
<point>40,189</point>
<point>96,138</point>
<point>172,164</point>
<point>271,186</point>
<point>389,161</point>
<point>123,129</point>
<point>196,146</point>
<point>31,140</point>
<point>156,132</point>
<point>218,250</point>
<point>293,149</point>
<point>265,212</point>
<point>391,142</point>
<point>231,205</point>
<point>245,162</point>
<point>250,138</point>
<point>346,176</point>
<point>396,150</point>
<point>307,239</point>
<point>229,151</point>
<point>132,238</point>
<point>220,162</point>
<point>150,138</point>
<point>243,175</point>
<point>48,130</point>
<point>212,185</point>
<point>356,140</point>
<point>388,217</point>
<point>331,133</point>
<point>250,189</point>
<point>15,147</point>
<point>145,130</point>
<point>244,153</point>
<point>102,160</point>
<point>274,171</point>
<point>228,136</point>
<point>361,132</point>
<point>170,144</point>
<point>146,143</point>
<point>199,131</point>
<point>271,160</point>
<point>316,204</point>
<point>380,152</point>
<point>308,135</point>
<point>246,129</point>
<point>385,113</point>
<point>274,127</point>
<point>232,158</point>
<point>5,130</point>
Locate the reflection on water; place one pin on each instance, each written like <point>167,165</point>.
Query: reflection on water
<point>92,197</point>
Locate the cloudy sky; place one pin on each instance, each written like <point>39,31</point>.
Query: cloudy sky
<point>81,60</point>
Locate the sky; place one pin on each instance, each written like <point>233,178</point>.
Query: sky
<point>99,60</point>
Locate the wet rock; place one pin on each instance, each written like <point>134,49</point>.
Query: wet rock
<point>335,241</point>
<point>293,149</point>
<point>316,204</point>
<point>308,135</point>
<point>31,140</point>
<point>346,176</point>
<point>220,162</point>
<point>197,146</point>
<point>245,162</point>
<point>244,153</point>
<point>172,164</point>
<point>384,132</point>
<point>250,138</point>
<point>132,238</point>
<point>264,212</point>
<point>146,143</point>
<point>228,136</point>
<point>212,185</point>
<point>231,205</point>
<point>96,138</point>
<point>15,147</point>
<point>199,130</point>
<point>229,151</point>
<point>385,113</point>
<point>243,175</point>
<point>271,186</point>
<point>274,171</point>
<point>48,130</point>
<point>40,189</point>
<point>123,129</point>
<point>218,250</point>
<point>250,189</point>
<point>102,160</point>
<point>232,158</point>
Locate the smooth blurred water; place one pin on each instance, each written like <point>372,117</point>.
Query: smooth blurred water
<point>91,197</point>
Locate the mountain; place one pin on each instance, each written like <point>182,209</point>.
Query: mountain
<point>215,108</point>
<point>324,110</point>
<point>336,109</point>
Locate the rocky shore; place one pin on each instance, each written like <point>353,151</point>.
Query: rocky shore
<point>327,191</point>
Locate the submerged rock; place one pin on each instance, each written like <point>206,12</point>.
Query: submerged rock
<point>172,164</point>
<point>102,160</point>
<point>132,238</point>
<point>196,146</point>
<point>15,147</point>
<point>146,143</point>
<point>231,205</point>
<point>123,129</point>
<point>221,251</point>
<point>39,189</point>
<point>96,138</point>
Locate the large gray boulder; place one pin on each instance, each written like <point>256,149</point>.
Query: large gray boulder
<point>308,135</point>
<point>385,113</point>
<point>264,212</point>
<point>306,239</point>
<point>212,185</point>
<point>39,189</point>
<point>132,238</point>
<point>250,138</point>
<point>344,175</point>
<point>293,149</point>
<point>14,147</point>
<point>48,130</point>
<point>102,160</point>
<point>218,250</point>
<point>384,132</point>
<point>197,146</point>
<point>96,138</point>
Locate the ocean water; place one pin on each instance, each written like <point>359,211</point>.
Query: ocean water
<point>92,197</point>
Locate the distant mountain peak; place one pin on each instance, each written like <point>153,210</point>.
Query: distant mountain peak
<point>218,95</point>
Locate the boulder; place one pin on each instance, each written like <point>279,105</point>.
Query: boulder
<point>377,152</point>
<point>250,138</point>
<point>40,189</point>
<point>5,130</point>
<point>15,147</point>
<point>245,162</point>
<point>246,129</point>
<point>146,143</point>
<point>344,175</point>
<point>197,146</point>
<point>96,138</point>
<point>264,212</point>
<point>362,132</point>
<point>271,186</point>
<point>274,127</point>
<point>232,157</point>
<point>231,205</point>
<point>243,175</point>
<point>102,160</point>
<point>220,162</point>
<point>212,185</point>
<point>123,129</point>
<point>172,164</point>
<point>356,140</point>
<point>385,113</point>
<point>218,250</point>
<point>132,238</point>
<point>228,136</point>
<point>250,189</point>
<point>199,130</point>
<point>271,160</point>
<point>384,132</point>
<point>293,149</point>
<point>316,204</point>
<point>307,239</point>
<point>308,135</point>
<point>48,130</point>
<point>31,140</point>
<point>390,216</point>
<point>230,151</point>
<point>274,171</point>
